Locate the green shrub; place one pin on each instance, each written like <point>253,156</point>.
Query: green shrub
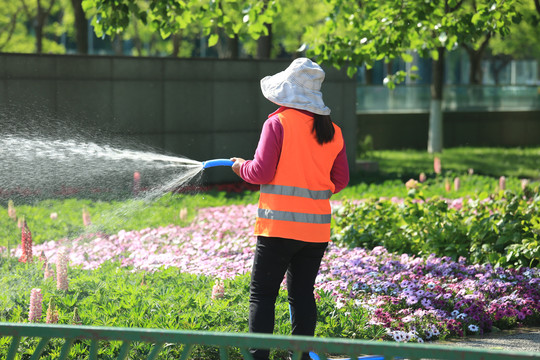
<point>502,230</point>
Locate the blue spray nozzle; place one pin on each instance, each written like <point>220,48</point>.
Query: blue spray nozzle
<point>217,162</point>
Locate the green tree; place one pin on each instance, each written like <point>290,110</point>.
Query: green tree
<point>289,27</point>
<point>234,17</point>
<point>33,26</point>
<point>224,23</point>
<point>365,31</point>
<point>523,40</point>
<point>9,14</point>
<point>37,13</point>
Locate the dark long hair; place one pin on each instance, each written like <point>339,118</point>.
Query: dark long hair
<point>323,128</point>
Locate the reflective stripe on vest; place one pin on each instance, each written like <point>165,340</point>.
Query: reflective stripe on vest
<point>294,216</point>
<point>296,191</point>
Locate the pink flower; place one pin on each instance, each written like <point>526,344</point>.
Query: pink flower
<point>54,216</point>
<point>48,273</point>
<point>86,217</point>
<point>26,240</point>
<point>218,290</point>
<point>411,184</point>
<point>36,299</point>
<point>61,271</point>
<point>422,177</point>
<point>183,214</point>
<point>12,213</point>
<point>457,184</point>
<point>136,182</point>
<point>502,183</point>
<point>437,165</point>
<point>447,185</point>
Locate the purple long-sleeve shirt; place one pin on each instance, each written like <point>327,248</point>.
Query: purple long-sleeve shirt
<point>262,168</point>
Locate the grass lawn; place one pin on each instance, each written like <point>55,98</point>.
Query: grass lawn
<point>516,162</point>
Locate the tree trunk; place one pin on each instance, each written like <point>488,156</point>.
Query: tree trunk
<point>176,40</point>
<point>39,22</point>
<point>475,73</point>
<point>39,39</point>
<point>234,47</point>
<point>369,76</point>
<point>389,66</point>
<point>435,135</point>
<point>475,58</point>
<point>229,47</point>
<point>264,44</point>
<point>81,27</point>
<point>118,45</point>
<point>496,68</point>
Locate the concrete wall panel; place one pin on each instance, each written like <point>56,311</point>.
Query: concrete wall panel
<point>235,144</point>
<point>188,106</point>
<point>32,97</point>
<point>233,71</point>
<point>137,68</point>
<point>89,100</point>
<point>188,70</point>
<point>30,67</point>
<point>138,106</point>
<point>235,106</point>
<point>198,147</point>
<point>78,67</point>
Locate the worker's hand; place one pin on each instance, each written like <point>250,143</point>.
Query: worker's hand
<point>237,163</point>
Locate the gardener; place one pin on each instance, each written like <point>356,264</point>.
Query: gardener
<point>300,162</point>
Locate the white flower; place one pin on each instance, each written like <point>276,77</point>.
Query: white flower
<point>399,336</point>
<point>461,316</point>
<point>473,328</point>
<point>408,318</point>
<point>407,336</point>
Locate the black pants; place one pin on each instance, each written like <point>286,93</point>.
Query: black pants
<point>273,258</point>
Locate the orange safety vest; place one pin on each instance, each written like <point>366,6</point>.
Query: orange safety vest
<point>296,203</point>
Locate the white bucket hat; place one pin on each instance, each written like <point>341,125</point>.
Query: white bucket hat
<point>298,86</point>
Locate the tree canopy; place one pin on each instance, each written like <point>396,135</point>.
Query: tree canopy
<point>360,32</point>
<point>523,39</point>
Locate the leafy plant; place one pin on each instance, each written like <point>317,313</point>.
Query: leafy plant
<point>502,229</point>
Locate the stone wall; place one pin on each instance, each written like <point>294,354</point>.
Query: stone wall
<point>486,129</point>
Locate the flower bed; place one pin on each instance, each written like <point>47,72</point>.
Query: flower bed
<point>406,298</point>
